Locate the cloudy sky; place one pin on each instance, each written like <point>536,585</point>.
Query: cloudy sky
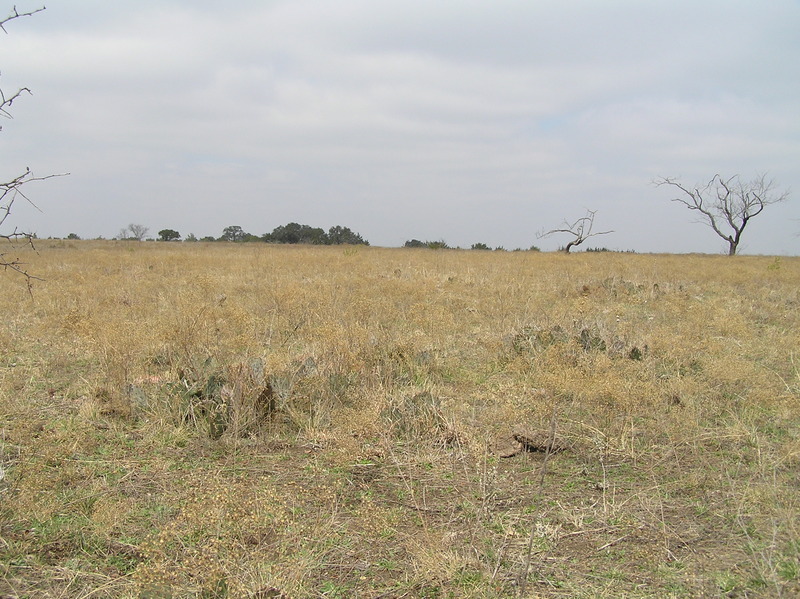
<point>463,120</point>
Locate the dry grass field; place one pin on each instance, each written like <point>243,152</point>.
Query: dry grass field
<point>219,420</point>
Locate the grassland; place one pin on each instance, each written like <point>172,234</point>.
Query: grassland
<point>192,420</point>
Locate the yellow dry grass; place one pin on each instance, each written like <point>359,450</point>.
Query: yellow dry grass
<point>247,420</point>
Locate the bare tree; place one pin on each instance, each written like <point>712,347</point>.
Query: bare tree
<point>138,232</point>
<point>132,232</point>
<point>11,190</point>
<point>727,205</point>
<point>581,230</point>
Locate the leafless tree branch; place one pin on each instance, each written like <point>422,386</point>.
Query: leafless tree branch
<point>15,264</point>
<point>15,14</point>
<point>11,190</point>
<point>7,102</point>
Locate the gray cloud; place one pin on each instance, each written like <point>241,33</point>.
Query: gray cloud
<point>471,121</point>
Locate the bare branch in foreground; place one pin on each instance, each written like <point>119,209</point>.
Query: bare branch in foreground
<point>15,14</point>
<point>9,192</point>
<point>12,189</point>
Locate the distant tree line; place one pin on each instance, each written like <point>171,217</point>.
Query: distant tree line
<point>432,245</point>
<point>727,205</point>
<point>291,233</point>
<point>442,245</point>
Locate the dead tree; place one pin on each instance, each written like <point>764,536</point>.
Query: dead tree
<point>133,232</point>
<point>581,230</point>
<point>727,205</point>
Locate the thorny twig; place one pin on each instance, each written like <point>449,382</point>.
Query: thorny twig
<point>15,14</point>
<point>9,191</point>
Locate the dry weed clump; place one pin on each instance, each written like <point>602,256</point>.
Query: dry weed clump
<point>228,420</point>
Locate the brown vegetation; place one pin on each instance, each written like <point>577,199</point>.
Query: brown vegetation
<point>209,420</point>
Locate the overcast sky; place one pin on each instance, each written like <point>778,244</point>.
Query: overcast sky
<point>468,121</point>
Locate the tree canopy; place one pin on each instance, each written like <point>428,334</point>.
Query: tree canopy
<point>293,233</point>
<point>168,235</point>
<point>233,233</point>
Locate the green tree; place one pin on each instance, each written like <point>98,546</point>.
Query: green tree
<point>233,233</point>
<point>296,233</point>
<point>338,235</point>
<point>415,243</point>
<point>480,246</point>
<point>437,245</point>
<point>168,235</point>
